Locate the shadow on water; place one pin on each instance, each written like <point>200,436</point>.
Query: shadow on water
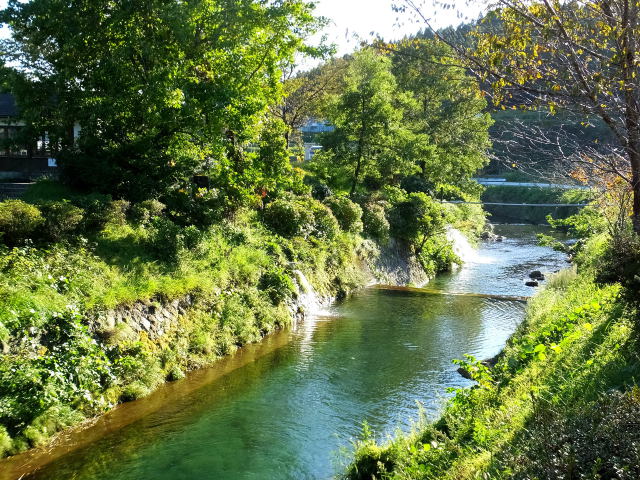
<point>285,408</point>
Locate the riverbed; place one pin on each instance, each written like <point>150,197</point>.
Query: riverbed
<point>290,409</point>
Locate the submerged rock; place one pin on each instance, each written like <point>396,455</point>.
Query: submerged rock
<point>532,283</point>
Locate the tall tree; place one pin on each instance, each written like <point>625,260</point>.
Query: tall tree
<point>162,89</point>
<point>580,56</point>
<point>447,108</point>
<point>367,122</point>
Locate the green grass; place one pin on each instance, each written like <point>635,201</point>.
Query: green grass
<point>562,402</point>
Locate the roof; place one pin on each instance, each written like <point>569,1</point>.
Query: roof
<point>8,106</point>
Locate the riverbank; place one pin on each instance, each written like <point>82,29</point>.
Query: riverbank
<point>288,411</point>
<point>561,402</point>
<point>89,322</point>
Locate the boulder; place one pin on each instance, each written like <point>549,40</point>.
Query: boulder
<point>536,275</point>
<point>532,283</point>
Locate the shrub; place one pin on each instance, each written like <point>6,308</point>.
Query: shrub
<point>142,213</point>
<point>238,317</point>
<point>288,218</point>
<point>51,421</point>
<point>95,207</point>
<point>375,221</point>
<point>348,213</point>
<point>277,284</point>
<point>167,240</point>
<point>416,218</point>
<point>320,191</point>
<point>325,224</point>
<point>61,220</point>
<point>415,183</point>
<point>18,221</point>
<point>116,212</point>
<point>5,442</point>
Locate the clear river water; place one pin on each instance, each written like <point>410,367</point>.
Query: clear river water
<point>290,407</point>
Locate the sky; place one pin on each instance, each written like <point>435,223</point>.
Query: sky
<point>364,19</point>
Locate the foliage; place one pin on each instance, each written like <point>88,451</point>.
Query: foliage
<point>277,284</point>
<point>142,213</point>
<point>62,220</point>
<point>348,213</point>
<point>18,221</point>
<point>375,222</point>
<point>160,89</point>
<point>305,95</point>
<point>300,216</point>
<point>167,240</point>
<point>578,57</point>
<point>416,219</point>
<point>445,113</point>
<point>368,124</point>
<point>288,218</point>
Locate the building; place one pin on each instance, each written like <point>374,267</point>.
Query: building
<point>19,160</point>
<point>313,127</point>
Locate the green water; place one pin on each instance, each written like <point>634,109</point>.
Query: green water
<point>291,413</point>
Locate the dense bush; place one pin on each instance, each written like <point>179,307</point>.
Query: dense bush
<point>18,221</point>
<point>167,240</point>
<point>348,213</point>
<point>415,184</point>
<point>288,217</point>
<point>375,221</point>
<point>62,219</point>
<point>116,212</point>
<point>277,284</point>
<point>142,213</point>
<point>95,208</point>
<point>300,216</point>
<point>325,224</point>
<point>320,191</point>
<point>200,207</point>
<point>416,218</point>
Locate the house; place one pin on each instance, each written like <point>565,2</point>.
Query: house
<point>20,160</point>
<point>316,126</point>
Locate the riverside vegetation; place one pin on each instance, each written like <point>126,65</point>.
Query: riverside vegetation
<point>181,188</point>
<point>563,400</point>
<point>62,363</point>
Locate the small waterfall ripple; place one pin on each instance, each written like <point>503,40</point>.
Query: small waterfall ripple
<point>464,249</point>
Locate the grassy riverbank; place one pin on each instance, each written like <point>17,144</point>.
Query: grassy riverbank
<point>87,280</point>
<point>562,401</point>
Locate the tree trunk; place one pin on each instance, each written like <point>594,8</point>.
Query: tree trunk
<point>356,174</point>
<point>634,157</point>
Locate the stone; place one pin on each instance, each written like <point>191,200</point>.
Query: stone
<point>532,283</point>
<point>536,275</point>
<point>110,321</point>
<point>145,324</point>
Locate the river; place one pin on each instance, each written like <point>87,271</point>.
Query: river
<point>289,409</point>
